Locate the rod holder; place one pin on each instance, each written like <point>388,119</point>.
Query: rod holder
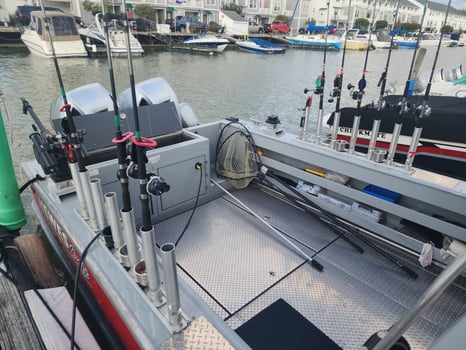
<point>354,134</point>
<point>85,182</point>
<point>129,252</point>
<point>394,143</point>
<point>79,190</point>
<point>373,140</point>
<point>167,252</point>
<point>413,148</point>
<point>97,198</point>
<point>149,267</point>
<point>114,219</point>
<point>320,117</point>
<point>335,126</point>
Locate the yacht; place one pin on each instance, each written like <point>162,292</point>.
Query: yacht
<point>65,36</point>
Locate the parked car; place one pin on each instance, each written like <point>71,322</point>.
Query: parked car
<point>256,28</point>
<point>185,23</point>
<point>23,12</point>
<point>278,27</point>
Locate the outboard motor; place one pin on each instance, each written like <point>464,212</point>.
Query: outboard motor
<point>155,91</point>
<point>84,100</point>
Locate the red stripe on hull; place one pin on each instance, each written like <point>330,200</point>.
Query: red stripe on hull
<point>86,275</point>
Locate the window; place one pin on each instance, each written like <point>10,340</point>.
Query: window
<point>64,26</point>
<point>276,5</point>
<point>252,4</point>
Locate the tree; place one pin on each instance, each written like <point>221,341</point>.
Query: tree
<point>362,23</point>
<point>144,10</point>
<point>381,24</point>
<point>91,7</point>
<point>410,27</point>
<point>446,29</point>
<point>283,18</point>
<point>232,7</point>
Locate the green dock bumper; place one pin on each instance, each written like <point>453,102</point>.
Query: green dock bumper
<point>12,214</point>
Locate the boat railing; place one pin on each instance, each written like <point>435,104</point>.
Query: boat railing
<point>430,296</point>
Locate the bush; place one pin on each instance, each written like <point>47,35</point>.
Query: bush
<point>213,27</point>
<point>362,23</point>
<point>144,10</point>
<point>381,24</point>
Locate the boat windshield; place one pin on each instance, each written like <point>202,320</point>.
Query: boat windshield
<point>64,26</point>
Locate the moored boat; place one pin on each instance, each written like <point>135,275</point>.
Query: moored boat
<point>65,36</point>
<point>316,37</point>
<point>93,37</point>
<point>258,45</point>
<point>202,43</point>
<point>218,231</point>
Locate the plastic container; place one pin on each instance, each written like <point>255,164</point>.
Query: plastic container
<point>382,193</point>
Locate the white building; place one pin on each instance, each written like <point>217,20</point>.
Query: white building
<point>264,11</point>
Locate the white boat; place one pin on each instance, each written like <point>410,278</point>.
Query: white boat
<point>203,43</point>
<point>314,41</point>
<point>94,39</point>
<point>449,81</point>
<point>251,228</point>
<point>258,45</point>
<point>431,40</point>
<point>353,39</point>
<point>65,36</point>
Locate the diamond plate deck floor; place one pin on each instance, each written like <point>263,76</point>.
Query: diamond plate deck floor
<point>239,267</point>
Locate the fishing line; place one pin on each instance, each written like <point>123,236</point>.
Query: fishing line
<point>358,94</point>
<point>338,85</point>
<point>402,106</point>
<point>320,82</point>
<point>141,143</point>
<point>120,140</point>
<point>424,110</point>
<point>382,84</point>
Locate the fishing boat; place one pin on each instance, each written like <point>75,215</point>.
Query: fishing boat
<point>66,40</point>
<point>239,232</point>
<point>442,147</point>
<point>202,43</point>
<point>258,45</point>
<point>93,37</point>
<point>250,231</point>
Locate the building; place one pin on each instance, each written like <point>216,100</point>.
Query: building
<point>300,12</point>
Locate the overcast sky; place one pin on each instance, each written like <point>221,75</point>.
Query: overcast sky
<point>457,4</point>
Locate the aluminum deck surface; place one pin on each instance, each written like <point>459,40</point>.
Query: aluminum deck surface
<point>239,266</point>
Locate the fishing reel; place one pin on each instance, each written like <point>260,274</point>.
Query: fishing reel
<point>336,91</point>
<point>156,185</point>
<point>51,155</point>
<point>422,111</point>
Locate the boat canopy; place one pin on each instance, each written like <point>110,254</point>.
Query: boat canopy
<point>399,32</point>
<point>313,28</point>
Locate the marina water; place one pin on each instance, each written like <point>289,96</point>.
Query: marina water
<point>233,84</point>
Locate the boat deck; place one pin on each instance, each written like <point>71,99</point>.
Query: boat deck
<point>239,266</point>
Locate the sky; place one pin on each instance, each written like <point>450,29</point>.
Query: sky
<point>457,4</point>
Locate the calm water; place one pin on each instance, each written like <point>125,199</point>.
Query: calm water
<point>231,84</point>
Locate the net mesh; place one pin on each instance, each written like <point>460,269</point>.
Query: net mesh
<point>236,156</point>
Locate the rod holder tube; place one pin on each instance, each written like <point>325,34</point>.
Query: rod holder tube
<point>354,134</point>
<point>114,219</point>
<point>84,177</point>
<point>430,296</point>
<point>129,230</point>
<point>320,117</point>
<point>412,148</point>
<point>373,141</point>
<point>97,198</point>
<point>167,252</point>
<point>79,190</point>
<point>152,269</point>
<point>335,126</point>
<point>305,125</point>
<point>394,143</point>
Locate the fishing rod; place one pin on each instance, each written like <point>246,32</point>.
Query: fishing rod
<point>320,82</point>
<point>402,107</point>
<point>119,139</point>
<point>338,85</point>
<point>74,153</point>
<point>424,110</point>
<point>382,84</point>
<point>148,184</point>
<point>357,95</point>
